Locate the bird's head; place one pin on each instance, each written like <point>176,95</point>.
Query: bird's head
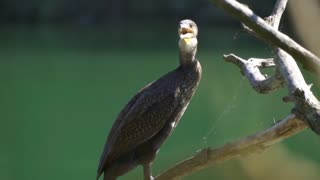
<point>188,32</point>
<point>187,29</point>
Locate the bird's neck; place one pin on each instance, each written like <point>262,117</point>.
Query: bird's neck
<point>187,57</point>
<point>188,50</point>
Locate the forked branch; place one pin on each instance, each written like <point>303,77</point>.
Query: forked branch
<point>269,33</point>
<point>250,68</point>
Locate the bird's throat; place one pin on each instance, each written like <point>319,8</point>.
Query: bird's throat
<point>188,49</point>
<point>187,40</point>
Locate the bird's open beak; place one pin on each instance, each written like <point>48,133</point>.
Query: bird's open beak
<point>185,31</point>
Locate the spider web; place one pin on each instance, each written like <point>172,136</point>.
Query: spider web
<point>227,110</point>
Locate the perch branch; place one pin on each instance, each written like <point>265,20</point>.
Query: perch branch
<point>269,33</point>
<point>258,142</point>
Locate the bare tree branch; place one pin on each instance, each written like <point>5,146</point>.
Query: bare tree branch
<point>270,34</point>
<point>307,107</point>
<point>277,12</point>
<point>250,68</point>
<point>258,81</point>
<point>255,143</point>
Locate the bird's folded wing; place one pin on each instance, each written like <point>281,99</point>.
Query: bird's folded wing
<point>142,121</point>
<point>145,119</point>
<point>116,126</point>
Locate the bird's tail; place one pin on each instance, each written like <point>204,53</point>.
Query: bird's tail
<point>105,177</point>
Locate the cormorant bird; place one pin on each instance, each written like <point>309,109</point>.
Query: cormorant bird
<point>153,113</point>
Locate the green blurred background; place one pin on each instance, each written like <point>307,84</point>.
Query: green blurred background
<point>67,69</point>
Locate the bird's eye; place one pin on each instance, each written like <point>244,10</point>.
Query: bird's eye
<point>190,26</point>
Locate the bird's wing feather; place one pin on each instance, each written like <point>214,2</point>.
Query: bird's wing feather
<point>146,121</point>
<point>115,127</point>
<point>140,120</point>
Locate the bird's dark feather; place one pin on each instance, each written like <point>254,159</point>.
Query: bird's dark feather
<point>150,117</point>
<point>140,120</point>
<point>115,128</point>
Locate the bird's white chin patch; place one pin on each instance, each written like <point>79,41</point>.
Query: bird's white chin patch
<point>188,44</point>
